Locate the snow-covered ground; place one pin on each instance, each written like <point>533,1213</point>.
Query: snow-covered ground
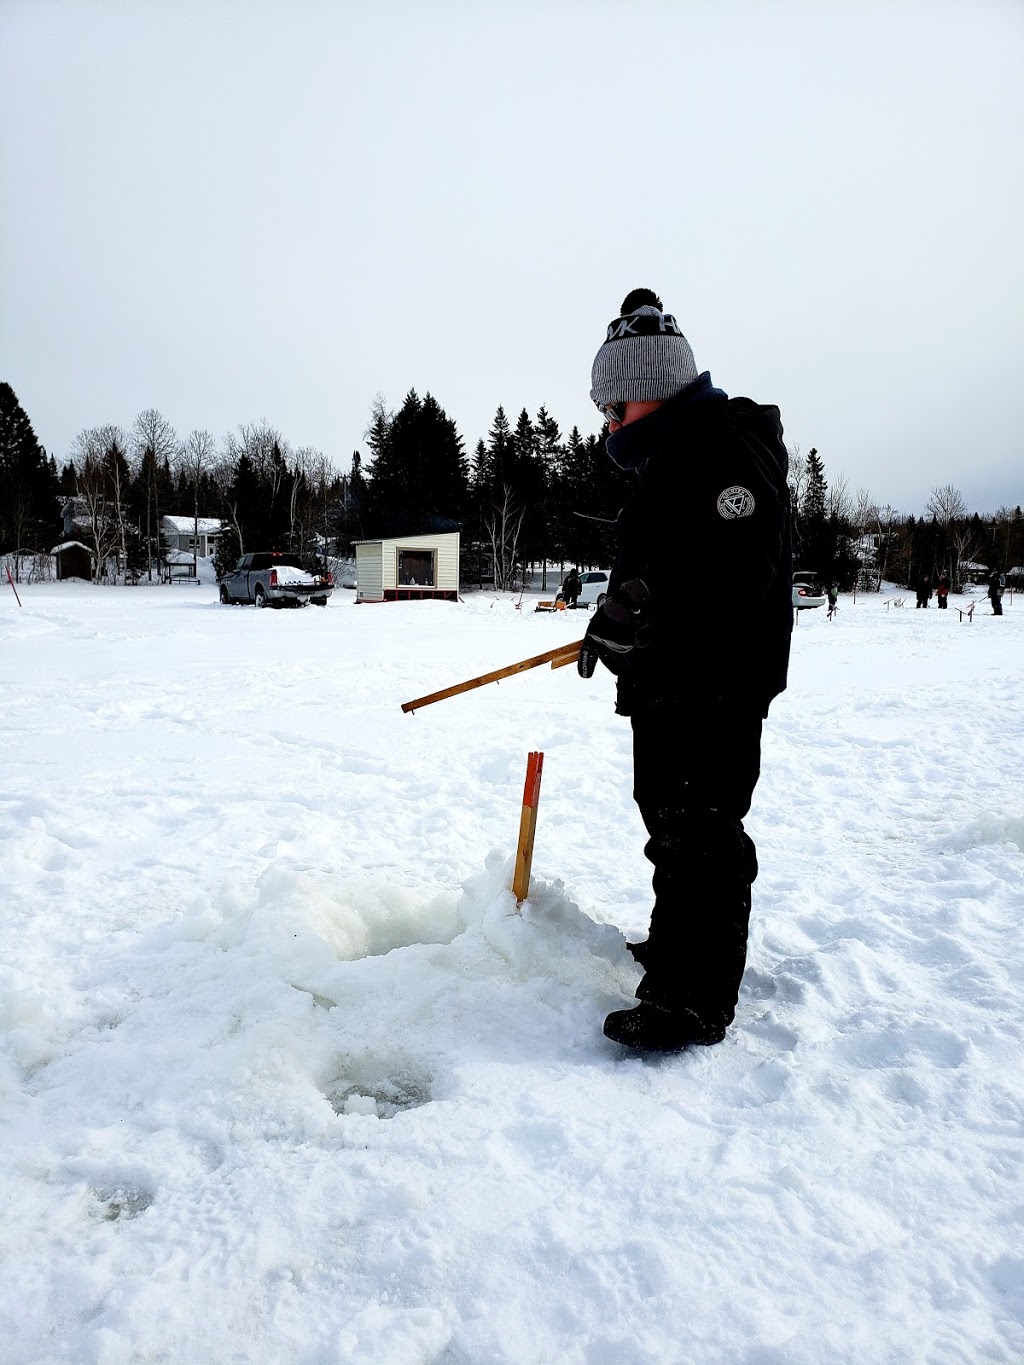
<point>285,1079</point>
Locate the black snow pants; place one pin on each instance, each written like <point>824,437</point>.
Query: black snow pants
<point>695,766</point>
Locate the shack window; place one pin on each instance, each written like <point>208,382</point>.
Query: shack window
<point>416,568</point>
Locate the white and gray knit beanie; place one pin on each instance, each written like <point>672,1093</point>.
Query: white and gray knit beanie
<point>645,357</point>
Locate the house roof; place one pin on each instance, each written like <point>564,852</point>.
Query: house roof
<point>208,526</point>
<point>71,545</point>
<point>416,541</point>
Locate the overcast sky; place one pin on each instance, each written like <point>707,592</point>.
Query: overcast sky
<point>244,211</point>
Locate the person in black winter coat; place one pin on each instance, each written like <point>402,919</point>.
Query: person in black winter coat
<point>924,591</point>
<point>995,594</point>
<point>711,469</point>
<point>572,587</point>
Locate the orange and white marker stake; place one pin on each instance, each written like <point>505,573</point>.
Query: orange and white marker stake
<point>527,827</point>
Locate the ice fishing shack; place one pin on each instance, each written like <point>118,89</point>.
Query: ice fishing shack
<point>407,568</point>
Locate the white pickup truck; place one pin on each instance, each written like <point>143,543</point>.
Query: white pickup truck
<point>275,578</point>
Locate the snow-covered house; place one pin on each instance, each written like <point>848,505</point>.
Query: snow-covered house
<point>973,572</point>
<point>405,568</point>
<point>75,519</point>
<point>191,535</point>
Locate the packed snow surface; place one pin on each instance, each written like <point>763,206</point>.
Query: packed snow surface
<point>285,1077</point>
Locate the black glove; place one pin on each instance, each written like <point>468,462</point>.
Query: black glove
<point>588,657</point>
<point>619,626</point>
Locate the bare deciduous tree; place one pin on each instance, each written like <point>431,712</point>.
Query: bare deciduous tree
<point>154,441</point>
<point>949,508</point>
<point>119,480</point>
<point>946,505</point>
<point>840,503</point>
<point>315,478</point>
<point>503,526</point>
<point>966,547</point>
<point>797,473</point>
<point>223,475</point>
<point>888,522</point>
<point>89,458</point>
<point>195,461</point>
<point>865,513</point>
<point>265,447</point>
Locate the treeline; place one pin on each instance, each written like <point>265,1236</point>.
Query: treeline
<point>526,495</point>
<point>118,484</point>
<point>851,540</point>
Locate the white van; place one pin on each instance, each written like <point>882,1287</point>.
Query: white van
<point>594,590</point>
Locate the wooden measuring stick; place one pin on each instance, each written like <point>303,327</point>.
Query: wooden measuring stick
<point>564,654</point>
<point>527,827</point>
<point>568,658</point>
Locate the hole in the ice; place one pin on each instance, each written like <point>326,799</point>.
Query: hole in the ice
<point>122,1202</point>
<point>403,1089</point>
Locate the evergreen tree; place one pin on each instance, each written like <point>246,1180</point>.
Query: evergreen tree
<point>278,490</point>
<point>548,445</point>
<point>549,436</point>
<point>570,494</point>
<point>479,482</point>
<point>589,490</point>
<point>445,472</point>
<point>29,485</point>
<point>528,482</point>
<point>815,501</point>
<point>813,538</point>
<point>418,480</point>
<point>606,488</point>
<point>354,503</point>
<point>491,472</point>
<point>378,433</point>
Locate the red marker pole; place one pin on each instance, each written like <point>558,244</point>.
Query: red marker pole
<point>527,827</point>
<point>11,581</point>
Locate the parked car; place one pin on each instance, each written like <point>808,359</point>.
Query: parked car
<point>275,578</point>
<point>594,590</point>
<point>806,592</point>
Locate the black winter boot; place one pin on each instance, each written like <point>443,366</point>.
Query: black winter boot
<point>652,1028</point>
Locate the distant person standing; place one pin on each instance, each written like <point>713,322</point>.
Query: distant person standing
<point>924,590</point>
<point>833,599</point>
<point>995,594</point>
<point>942,590</point>
<point>572,587</point>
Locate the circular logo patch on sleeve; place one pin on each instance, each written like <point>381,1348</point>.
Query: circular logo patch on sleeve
<point>735,502</point>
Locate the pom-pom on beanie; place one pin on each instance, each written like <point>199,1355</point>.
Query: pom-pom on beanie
<point>645,357</point>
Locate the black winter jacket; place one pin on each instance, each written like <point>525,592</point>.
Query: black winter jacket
<point>708,530</point>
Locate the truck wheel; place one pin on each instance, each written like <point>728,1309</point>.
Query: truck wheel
<point>224,597</point>
<point>261,596</point>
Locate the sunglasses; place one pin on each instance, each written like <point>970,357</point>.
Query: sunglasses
<point>612,412</point>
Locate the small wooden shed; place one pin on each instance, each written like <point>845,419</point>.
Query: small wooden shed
<point>408,568</point>
<point>74,560</point>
